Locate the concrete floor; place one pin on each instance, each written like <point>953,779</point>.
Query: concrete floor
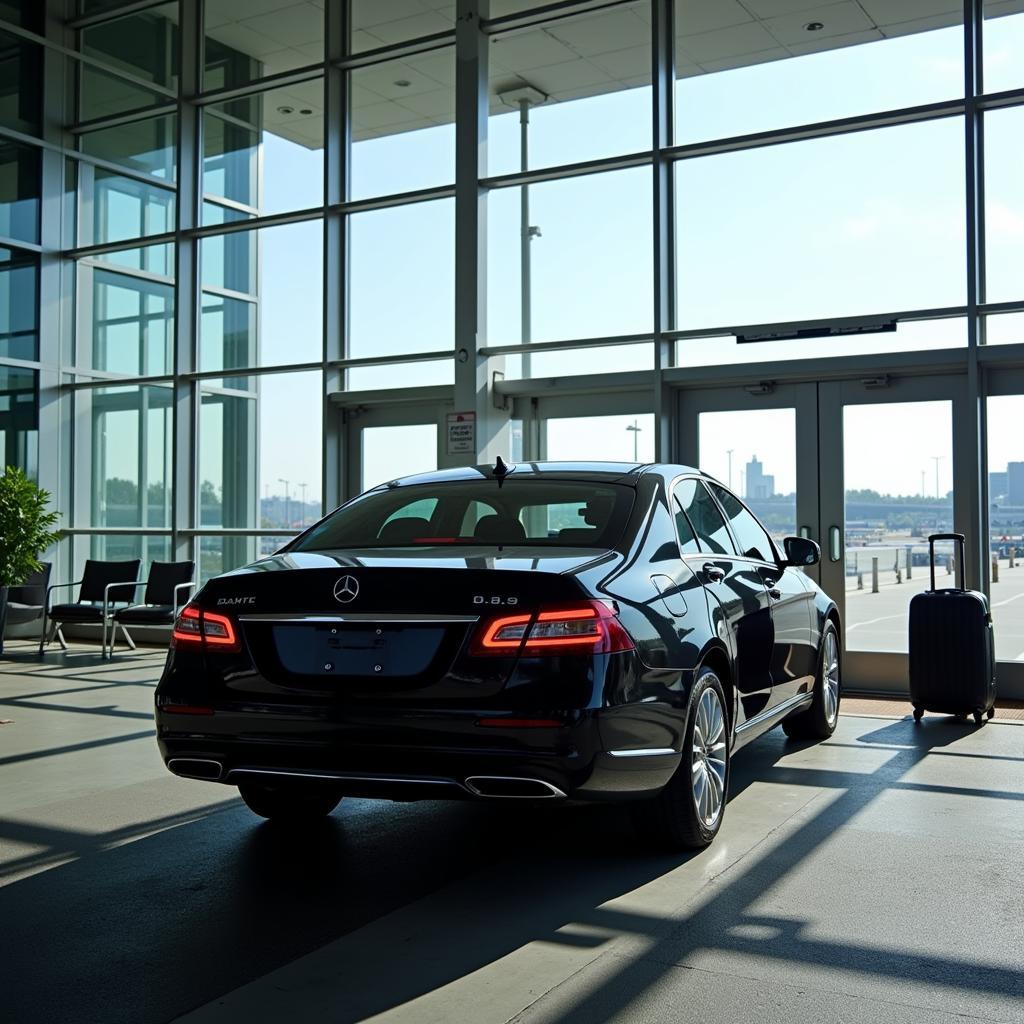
<point>875,878</point>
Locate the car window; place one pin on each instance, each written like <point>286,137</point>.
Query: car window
<point>475,511</point>
<point>705,517</point>
<point>423,508</point>
<point>573,513</point>
<point>687,538</point>
<point>749,533</point>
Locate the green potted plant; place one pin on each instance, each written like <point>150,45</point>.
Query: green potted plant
<point>26,530</point>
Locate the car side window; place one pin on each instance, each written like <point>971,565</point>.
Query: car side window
<point>749,533</point>
<point>687,538</point>
<point>702,512</point>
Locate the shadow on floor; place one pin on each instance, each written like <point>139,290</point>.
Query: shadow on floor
<point>150,929</point>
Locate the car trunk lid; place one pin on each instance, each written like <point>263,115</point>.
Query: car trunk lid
<point>384,623</point>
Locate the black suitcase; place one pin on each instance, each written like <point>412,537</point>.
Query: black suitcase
<point>952,647</point>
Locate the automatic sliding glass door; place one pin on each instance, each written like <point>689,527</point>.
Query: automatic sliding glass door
<point>864,469</point>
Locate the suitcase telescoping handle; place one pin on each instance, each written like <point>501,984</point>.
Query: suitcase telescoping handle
<point>960,541</point>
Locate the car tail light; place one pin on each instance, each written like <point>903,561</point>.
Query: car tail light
<point>590,627</point>
<point>197,626</point>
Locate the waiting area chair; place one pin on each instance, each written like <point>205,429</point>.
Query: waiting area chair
<point>25,602</point>
<point>167,590</point>
<point>101,587</point>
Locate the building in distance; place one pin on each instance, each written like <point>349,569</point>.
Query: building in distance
<point>760,485</point>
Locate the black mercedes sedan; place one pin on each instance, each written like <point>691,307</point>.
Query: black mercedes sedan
<point>555,631</point>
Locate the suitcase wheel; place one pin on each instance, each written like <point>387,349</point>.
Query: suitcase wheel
<point>918,713</point>
<point>978,717</point>
<point>991,713</point>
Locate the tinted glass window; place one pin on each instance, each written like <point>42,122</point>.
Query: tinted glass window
<point>750,536</point>
<point>478,512</point>
<point>687,538</point>
<point>705,516</point>
<point>475,511</point>
<point>420,509</point>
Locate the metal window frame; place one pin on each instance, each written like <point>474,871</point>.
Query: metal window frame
<point>475,362</point>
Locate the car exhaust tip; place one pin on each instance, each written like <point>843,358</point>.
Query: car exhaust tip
<point>506,787</point>
<point>195,768</point>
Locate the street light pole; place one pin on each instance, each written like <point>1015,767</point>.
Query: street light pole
<point>524,96</point>
<point>303,513</point>
<point>937,459</point>
<point>635,428</point>
<point>729,452</point>
<point>286,483</point>
<point>525,269</point>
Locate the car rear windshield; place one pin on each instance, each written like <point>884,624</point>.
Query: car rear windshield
<point>557,513</point>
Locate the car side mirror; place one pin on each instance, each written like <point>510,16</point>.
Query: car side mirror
<point>801,551</point>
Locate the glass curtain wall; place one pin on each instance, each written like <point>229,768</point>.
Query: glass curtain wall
<point>197,248</point>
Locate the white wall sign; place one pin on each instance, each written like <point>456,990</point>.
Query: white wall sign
<point>461,433</point>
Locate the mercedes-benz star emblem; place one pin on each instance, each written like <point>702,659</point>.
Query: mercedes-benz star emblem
<point>346,589</point>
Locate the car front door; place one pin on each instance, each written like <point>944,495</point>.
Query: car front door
<point>740,594</point>
<point>793,652</point>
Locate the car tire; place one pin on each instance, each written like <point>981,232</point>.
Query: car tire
<point>688,812</point>
<point>819,721</point>
<point>288,803</point>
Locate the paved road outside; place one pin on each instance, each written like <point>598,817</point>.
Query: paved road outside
<point>878,622</point>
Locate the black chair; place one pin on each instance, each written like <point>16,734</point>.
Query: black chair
<point>100,585</point>
<point>166,591</point>
<point>25,602</point>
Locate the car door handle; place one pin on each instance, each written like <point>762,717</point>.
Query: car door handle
<point>714,573</point>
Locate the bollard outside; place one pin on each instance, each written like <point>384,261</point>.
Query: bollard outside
<point>1013,552</point>
<point>995,567</point>
<point>899,575</point>
<point>949,565</point>
<point>910,559</point>
<point>874,575</point>
<point>860,581</point>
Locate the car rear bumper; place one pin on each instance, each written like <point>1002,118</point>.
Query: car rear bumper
<point>610,754</point>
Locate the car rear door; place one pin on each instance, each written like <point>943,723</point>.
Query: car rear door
<point>793,652</point>
<point>739,592</point>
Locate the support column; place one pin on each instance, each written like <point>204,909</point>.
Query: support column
<point>663,82</point>
<point>970,477</point>
<point>55,310</point>
<point>474,388</point>
<point>337,152</point>
<point>185,419</point>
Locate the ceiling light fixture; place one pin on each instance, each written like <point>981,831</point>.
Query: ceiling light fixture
<point>814,26</point>
<point>403,83</point>
<point>286,110</point>
<point>305,111</point>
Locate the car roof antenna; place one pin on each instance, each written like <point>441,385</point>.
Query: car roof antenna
<point>500,471</point>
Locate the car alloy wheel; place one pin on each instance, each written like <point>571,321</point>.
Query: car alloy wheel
<point>830,677</point>
<point>709,758</point>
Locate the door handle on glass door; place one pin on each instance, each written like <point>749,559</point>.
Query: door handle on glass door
<point>834,543</point>
<point>714,573</point>
<point>775,594</point>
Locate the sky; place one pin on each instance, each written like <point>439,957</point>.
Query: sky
<point>868,222</point>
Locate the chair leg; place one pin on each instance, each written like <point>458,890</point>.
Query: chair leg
<point>60,636</point>
<point>127,636</point>
<point>42,634</point>
<point>103,637</point>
